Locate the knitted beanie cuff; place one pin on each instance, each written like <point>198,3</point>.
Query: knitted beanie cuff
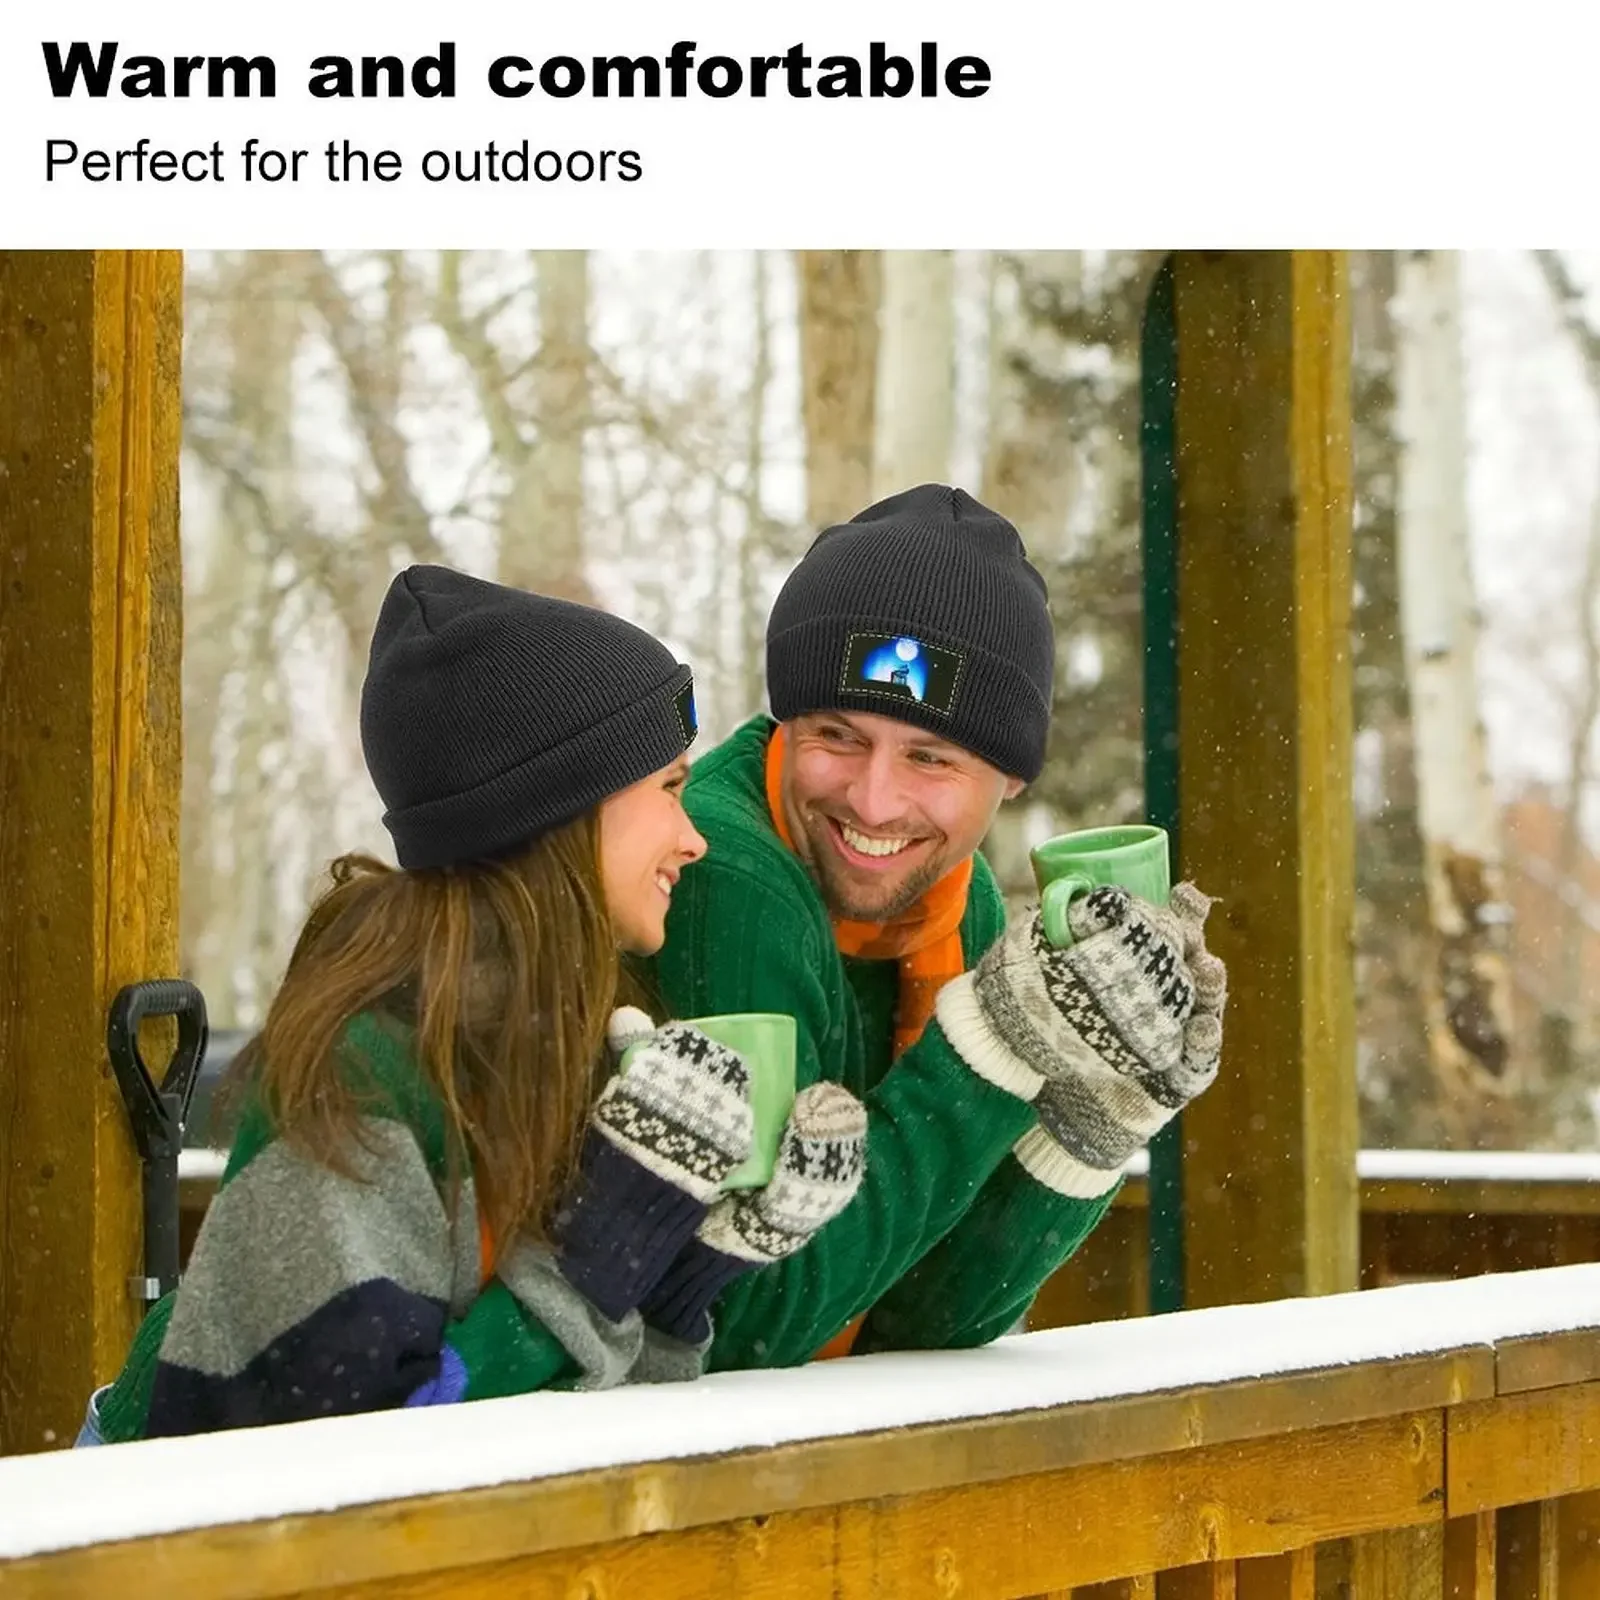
<point>551,787</point>
<point>974,1039</point>
<point>996,711</point>
<point>621,1228</point>
<point>1048,1163</point>
<point>680,1303</point>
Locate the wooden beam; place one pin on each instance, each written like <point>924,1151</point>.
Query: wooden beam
<point>659,1530</point>
<point>1522,1448</point>
<point>1549,1362</point>
<point>90,600</point>
<point>1263,447</point>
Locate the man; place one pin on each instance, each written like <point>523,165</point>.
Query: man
<point>909,666</point>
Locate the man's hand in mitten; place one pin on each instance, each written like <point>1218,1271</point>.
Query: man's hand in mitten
<point>664,1133</point>
<point>1109,1037</point>
<point>820,1164</point>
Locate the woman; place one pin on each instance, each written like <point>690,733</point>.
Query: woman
<point>431,1196</point>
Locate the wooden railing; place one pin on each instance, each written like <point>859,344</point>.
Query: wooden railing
<point>1425,1215</point>
<point>1438,1440</point>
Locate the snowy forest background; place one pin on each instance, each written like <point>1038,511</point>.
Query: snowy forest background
<point>663,435</point>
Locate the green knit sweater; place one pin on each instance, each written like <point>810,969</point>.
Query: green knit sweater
<point>950,1236</point>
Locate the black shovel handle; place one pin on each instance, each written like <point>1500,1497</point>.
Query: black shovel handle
<point>158,1111</point>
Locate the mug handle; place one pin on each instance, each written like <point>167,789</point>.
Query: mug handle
<point>1053,904</point>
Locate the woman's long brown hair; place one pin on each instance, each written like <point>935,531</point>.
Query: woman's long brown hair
<point>507,971</point>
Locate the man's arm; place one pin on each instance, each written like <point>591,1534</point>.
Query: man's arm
<point>937,1127</point>
<point>984,1274</point>
<point>1142,987</point>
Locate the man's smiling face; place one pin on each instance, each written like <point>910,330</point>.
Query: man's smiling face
<point>879,810</point>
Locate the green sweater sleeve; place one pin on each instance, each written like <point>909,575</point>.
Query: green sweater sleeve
<point>741,939</point>
<point>505,1349</point>
<point>983,1275</point>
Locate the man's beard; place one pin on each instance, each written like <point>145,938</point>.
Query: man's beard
<point>828,873</point>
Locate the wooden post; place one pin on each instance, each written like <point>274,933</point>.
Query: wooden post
<point>1578,1522</point>
<point>1139,1588</point>
<point>1210,1580</point>
<point>90,608</point>
<point>1398,1564</point>
<point>1528,1547</point>
<point>1292,1576</point>
<point>1263,455</point>
<point>1469,1556</point>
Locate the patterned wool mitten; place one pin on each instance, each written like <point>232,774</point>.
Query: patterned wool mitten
<point>1109,1038</point>
<point>820,1163</point>
<point>664,1133</point>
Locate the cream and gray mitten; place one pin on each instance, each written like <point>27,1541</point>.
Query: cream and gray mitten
<point>1108,1038</point>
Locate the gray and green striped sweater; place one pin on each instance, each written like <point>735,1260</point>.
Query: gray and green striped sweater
<point>310,1293</point>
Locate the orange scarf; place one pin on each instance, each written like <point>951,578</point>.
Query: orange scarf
<point>926,940</point>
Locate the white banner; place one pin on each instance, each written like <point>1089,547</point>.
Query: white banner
<point>1212,122</point>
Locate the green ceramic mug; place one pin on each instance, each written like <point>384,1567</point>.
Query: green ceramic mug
<point>1136,857</point>
<point>766,1040</point>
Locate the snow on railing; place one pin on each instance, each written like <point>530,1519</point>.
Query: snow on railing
<point>68,1499</point>
<point>1467,1166</point>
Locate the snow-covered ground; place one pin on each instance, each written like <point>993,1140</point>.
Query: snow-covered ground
<point>65,1499</point>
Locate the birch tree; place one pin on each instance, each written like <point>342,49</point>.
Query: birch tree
<point>1467,992</point>
<point>1400,1094</point>
<point>839,300</point>
<point>1062,461</point>
<point>916,400</point>
<point>1562,1023</point>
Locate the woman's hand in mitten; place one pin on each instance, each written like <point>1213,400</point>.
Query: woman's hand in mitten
<point>1113,1035</point>
<point>820,1164</point>
<point>664,1133</point>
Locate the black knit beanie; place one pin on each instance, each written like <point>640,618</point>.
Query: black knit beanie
<point>924,607</point>
<point>490,715</point>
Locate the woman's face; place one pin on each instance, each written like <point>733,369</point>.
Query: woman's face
<point>646,840</point>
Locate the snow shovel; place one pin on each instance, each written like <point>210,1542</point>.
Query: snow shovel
<point>158,1113</point>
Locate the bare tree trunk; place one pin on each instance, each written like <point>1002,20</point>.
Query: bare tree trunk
<point>1402,1099</point>
<point>1030,466</point>
<point>757,541</point>
<point>1561,1028</point>
<point>1029,461</point>
<point>541,542</point>
<point>232,708</point>
<point>916,404</point>
<point>1580,746</point>
<point>839,295</point>
<point>1467,997</point>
